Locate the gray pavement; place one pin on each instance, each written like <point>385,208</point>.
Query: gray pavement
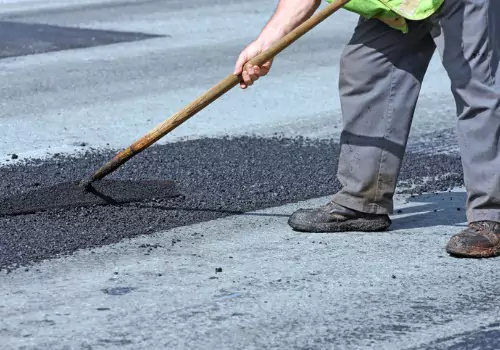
<point>114,94</point>
<point>277,289</point>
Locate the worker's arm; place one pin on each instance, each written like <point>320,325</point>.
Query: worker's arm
<point>288,15</point>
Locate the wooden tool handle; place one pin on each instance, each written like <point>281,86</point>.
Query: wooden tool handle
<point>214,93</point>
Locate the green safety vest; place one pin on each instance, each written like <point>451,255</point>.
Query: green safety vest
<point>394,12</point>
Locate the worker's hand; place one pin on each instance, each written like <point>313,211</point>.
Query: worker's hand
<point>249,73</point>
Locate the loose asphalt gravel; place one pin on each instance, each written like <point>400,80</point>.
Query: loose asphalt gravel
<point>215,177</point>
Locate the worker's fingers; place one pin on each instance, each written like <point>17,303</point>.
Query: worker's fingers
<point>256,71</point>
<point>242,59</point>
<point>247,79</point>
<point>253,72</point>
<point>265,68</point>
<point>250,70</point>
<point>250,73</point>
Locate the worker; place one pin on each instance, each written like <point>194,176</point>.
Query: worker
<point>381,72</point>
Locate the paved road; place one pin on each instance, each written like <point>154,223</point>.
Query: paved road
<point>277,289</point>
<point>114,94</point>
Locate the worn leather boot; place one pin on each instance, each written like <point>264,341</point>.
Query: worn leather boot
<point>335,218</point>
<point>479,240</point>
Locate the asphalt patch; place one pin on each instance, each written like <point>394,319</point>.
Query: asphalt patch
<point>22,39</point>
<point>215,178</point>
<point>72,194</point>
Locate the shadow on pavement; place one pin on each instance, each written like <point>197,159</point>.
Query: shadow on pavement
<point>428,210</point>
<point>227,212</point>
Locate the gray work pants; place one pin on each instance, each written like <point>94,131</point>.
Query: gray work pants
<point>380,77</point>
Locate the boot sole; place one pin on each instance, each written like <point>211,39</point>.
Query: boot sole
<point>360,224</point>
<point>479,254</point>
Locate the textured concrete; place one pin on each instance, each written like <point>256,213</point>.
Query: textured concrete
<point>114,94</point>
<point>277,289</point>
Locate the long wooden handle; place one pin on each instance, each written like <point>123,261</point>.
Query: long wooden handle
<point>214,93</point>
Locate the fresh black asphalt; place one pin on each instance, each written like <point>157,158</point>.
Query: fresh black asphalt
<point>215,178</point>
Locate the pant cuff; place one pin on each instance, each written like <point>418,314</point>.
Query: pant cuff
<point>362,205</point>
<point>483,215</point>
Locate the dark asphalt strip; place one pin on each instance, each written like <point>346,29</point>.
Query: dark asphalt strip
<point>22,39</point>
<point>216,178</point>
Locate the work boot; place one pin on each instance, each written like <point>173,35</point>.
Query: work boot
<point>479,240</point>
<point>336,218</point>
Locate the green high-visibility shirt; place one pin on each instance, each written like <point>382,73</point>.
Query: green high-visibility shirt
<point>394,12</point>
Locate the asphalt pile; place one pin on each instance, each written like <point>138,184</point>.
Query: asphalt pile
<point>215,178</point>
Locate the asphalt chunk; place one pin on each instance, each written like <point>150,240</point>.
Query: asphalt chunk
<point>118,290</point>
<point>214,177</point>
